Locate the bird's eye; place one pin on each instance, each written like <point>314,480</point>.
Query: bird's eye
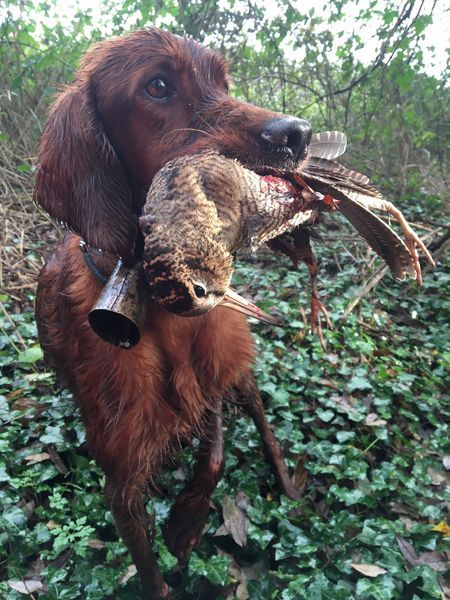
<point>199,291</point>
<point>158,88</point>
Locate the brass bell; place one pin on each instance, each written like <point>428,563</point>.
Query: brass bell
<point>119,313</point>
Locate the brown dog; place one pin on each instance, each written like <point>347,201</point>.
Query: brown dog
<point>138,102</point>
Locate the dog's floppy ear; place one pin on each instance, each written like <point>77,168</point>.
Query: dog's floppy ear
<point>80,180</point>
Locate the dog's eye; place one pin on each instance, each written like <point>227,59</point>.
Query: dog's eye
<point>158,88</point>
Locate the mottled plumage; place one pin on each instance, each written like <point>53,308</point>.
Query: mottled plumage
<point>202,209</point>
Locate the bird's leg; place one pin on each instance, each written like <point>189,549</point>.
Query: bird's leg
<point>304,252</point>
<point>190,511</point>
<point>297,246</point>
<point>248,395</point>
<point>317,306</point>
<point>412,239</point>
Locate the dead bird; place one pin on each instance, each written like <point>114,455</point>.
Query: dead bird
<point>202,209</point>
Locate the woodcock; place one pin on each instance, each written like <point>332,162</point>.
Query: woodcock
<point>202,209</point>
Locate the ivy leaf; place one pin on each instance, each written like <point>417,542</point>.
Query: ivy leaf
<point>358,382</point>
<point>293,541</point>
<point>215,569</point>
<point>380,589</point>
<point>31,355</point>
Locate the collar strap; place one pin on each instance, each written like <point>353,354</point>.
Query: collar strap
<point>89,254</point>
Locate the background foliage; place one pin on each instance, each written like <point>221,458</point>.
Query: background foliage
<point>364,425</point>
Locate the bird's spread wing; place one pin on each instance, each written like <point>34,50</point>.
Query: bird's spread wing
<point>378,234</point>
<point>328,144</point>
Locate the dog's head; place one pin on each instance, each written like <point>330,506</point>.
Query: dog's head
<point>138,102</point>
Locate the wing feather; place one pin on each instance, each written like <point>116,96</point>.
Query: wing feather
<point>328,144</point>
<point>378,234</point>
<point>335,173</point>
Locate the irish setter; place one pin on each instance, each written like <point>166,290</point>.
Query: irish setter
<point>138,102</point>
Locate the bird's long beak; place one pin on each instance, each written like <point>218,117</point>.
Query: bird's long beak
<point>240,304</point>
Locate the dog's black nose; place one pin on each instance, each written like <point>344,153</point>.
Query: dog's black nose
<point>287,136</point>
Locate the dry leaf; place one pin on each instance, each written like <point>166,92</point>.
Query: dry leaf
<point>408,551</point>
<point>300,473</point>
<point>373,420</point>
<point>23,404</point>
<point>52,524</point>
<point>368,570</point>
<point>33,459</point>
<point>442,527</point>
<point>238,573</point>
<point>438,477</point>
<point>129,573</point>
<point>408,523</point>
<point>15,393</point>
<point>26,586</point>
<point>57,460</point>
<point>242,500</point>
<point>235,522</point>
<point>333,359</point>
<point>445,587</point>
<point>343,402</point>
<point>403,509</point>
<point>242,575</point>
<point>36,569</point>
<point>327,382</point>
<point>96,544</point>
<point>435,560</point>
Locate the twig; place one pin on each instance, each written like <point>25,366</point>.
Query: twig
<point>369,284</point>
<point>11,322</point>
<point>31,286</point>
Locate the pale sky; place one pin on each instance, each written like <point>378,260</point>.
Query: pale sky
<point>437,34</point>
